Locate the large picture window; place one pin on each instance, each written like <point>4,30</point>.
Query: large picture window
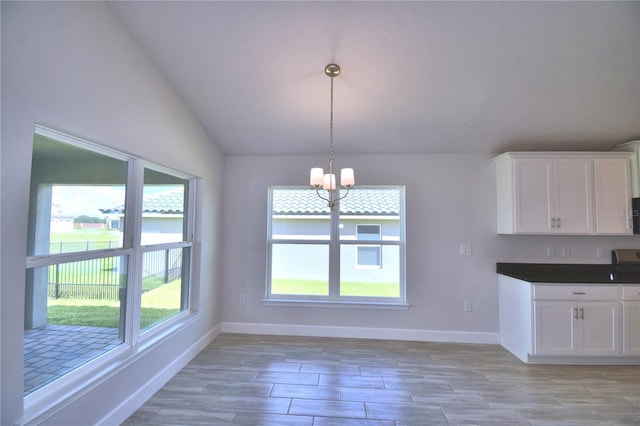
<point>109,254</point>
<point>352,253</point>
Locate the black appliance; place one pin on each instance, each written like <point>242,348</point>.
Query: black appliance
<point>625,265</point>
<point>635,214</point>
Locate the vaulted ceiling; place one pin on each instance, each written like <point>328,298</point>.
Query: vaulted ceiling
<point>417,77</point>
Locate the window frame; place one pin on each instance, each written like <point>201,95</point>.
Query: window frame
<point>335,244</point>
<point>134,343</point>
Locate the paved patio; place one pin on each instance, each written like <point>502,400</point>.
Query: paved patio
<point>52,351</point>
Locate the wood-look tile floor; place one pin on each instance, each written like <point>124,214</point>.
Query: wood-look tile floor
<point>276,380</point>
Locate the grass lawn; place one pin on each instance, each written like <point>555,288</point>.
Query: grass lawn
<point>321,288</point>
<point>157,305</point>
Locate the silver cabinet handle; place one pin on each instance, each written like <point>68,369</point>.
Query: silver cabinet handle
<point>581,313</point>
<point>553,222</point>
<point>579,292</point>
<point>575,313</point>
<point>558,223</point>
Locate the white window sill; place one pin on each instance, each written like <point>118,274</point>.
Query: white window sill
<point>334,304</point>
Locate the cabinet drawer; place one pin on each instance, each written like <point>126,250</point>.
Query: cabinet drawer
<point>575,292</point>
<point>631,292</point>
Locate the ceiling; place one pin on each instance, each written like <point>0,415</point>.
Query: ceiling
<point>417,77</point>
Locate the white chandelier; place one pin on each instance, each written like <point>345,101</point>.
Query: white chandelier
<point>318,178</point>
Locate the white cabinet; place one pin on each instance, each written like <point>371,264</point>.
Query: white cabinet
<point>552,196</point>
<point>631,320</point>
<point>570,323</point>
<point>612,190</point>
<point>572,196</point>
<point>634,148</point>
<point>554,326</point>
<point>557,193</point>
<point>532,206</point>
<point>583,324</point>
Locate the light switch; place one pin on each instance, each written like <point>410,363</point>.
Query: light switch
<point>465,249</point>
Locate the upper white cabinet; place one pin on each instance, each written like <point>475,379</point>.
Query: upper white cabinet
<point>612,191</point>
<point>563,193</point>
<point>634,148</point>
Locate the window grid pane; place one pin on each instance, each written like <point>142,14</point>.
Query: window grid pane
<point>301,269</point>
<point>83,305</point>
<point>162,273</point>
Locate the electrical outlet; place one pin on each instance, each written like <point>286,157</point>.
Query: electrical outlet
<point>602,253</point>
<point>467,306</point>
<point>551,251</point>
<point>566,251</point>
<point>466,249</point>
<point>243,299</point>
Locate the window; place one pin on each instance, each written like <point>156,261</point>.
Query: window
<point>352,253</point>
<point>368,256</point>
<point>103,248</point>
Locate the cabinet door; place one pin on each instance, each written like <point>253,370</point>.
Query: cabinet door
<point>597,330</point>
<point>554,328</point>
<point>613,196</point>
<point>573,196</point>
<point>630,328</point>
<point>533,195</point>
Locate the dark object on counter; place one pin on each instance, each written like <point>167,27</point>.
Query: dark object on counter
<point>635,214</point>
<point>571,273</point>
<point>625,264</point>
<point>625,257</point>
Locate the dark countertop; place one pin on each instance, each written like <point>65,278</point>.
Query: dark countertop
<point>571,273</point>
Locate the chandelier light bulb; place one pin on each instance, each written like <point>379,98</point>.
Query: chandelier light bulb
<point>347,178</point>
<point>329,182</point>
<point>316,177</point>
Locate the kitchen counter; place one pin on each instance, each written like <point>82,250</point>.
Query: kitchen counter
<point>570,273</point>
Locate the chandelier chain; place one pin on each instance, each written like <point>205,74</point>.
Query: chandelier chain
<point>331,132</point>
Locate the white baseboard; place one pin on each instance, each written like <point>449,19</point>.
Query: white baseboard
<point>136,400</point>
<point>362,333</point>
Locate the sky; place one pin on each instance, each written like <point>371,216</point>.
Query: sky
<point>76,200</point>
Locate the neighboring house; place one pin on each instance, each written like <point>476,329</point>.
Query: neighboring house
<point>365,215</point>
<point>162,216</point>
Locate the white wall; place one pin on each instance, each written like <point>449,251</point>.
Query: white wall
<point>450,200</point>
<point>72,66</point>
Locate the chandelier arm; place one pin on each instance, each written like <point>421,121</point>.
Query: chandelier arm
<point>330,203</point>
<point>345,195</point>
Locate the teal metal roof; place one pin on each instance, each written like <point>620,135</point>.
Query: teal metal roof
<point>376,202</point>
<point>372,202</point>
<point>166,202</point>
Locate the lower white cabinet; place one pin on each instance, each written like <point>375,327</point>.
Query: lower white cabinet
<point>570,323</point>
<point>576,328</point>
<point>631,320</point>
